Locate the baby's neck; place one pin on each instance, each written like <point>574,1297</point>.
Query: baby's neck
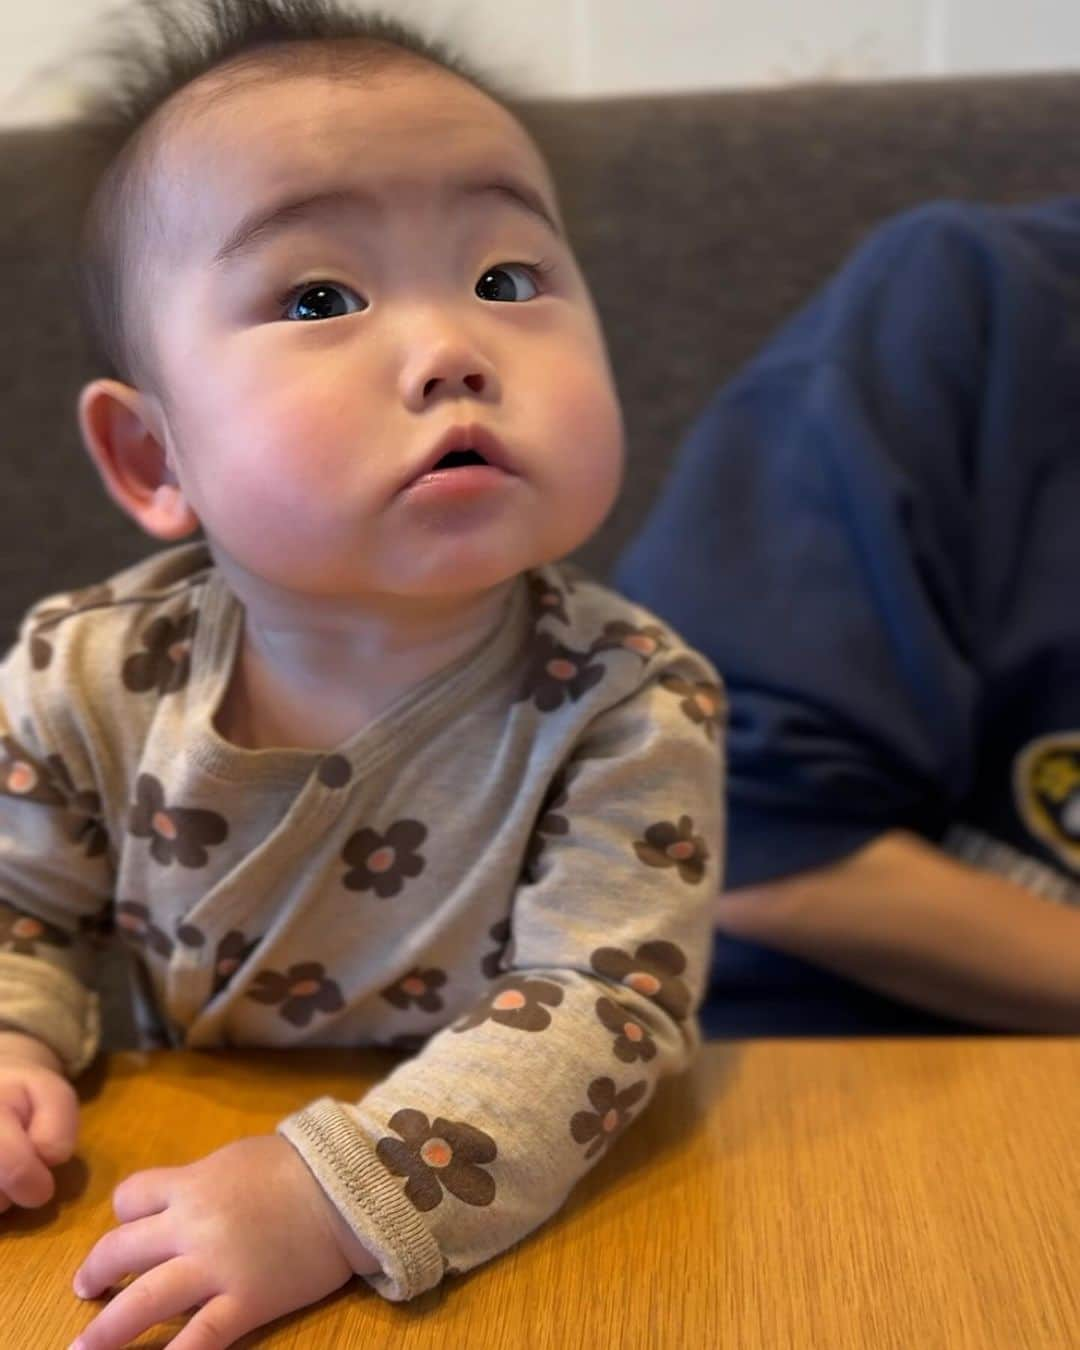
<point>295,687</point>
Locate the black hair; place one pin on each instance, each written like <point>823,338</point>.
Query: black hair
<point>123,120</point>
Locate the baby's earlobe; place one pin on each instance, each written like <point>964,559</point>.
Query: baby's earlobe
<point>169,515</point>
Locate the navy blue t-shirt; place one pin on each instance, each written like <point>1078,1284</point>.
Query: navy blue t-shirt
<point>874,534</point>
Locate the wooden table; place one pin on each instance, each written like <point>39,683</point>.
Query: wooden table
<point>787,1195</point>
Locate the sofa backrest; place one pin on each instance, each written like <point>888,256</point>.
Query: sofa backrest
<point>701,220</point>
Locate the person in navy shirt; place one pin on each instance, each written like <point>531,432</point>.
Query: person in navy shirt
<point>874,533</point>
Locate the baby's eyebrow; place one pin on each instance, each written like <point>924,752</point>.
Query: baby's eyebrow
<point>259,226</point>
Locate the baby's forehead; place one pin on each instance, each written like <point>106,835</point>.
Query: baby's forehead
<point>229,150</point>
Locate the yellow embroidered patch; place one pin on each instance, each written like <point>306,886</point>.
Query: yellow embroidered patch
<point>1046,785</point>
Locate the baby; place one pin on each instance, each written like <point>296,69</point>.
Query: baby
<point>369,766</point>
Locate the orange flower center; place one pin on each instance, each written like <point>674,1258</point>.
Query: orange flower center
<point>436,1153</point>
<point>610,1120</point>
<point>227,965</point>
<point>642,982</point>
<point>162,825</point>
<point>639,642</point>
<point>179,650</point>
<point>22,778</point>
<point>27,928</point>
<point>632,1031</point>
<point>706,703</point>
<point>414,985</point>
<point>680,851</point>
<point>509,1000</point>
<point>560,669</point>
<point>381,860</point>
<point>304,988</point>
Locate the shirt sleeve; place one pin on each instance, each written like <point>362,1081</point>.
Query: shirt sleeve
<point>815,542</point>
<point>462,1151</point>
<point>56,876</point>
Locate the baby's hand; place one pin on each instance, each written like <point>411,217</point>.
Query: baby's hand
<point>243,1236</point>
<point>39,1126</point>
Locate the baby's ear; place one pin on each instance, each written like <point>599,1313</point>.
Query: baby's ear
<point>123,431</point>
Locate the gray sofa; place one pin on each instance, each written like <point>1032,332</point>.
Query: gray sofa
<point>701,221</point>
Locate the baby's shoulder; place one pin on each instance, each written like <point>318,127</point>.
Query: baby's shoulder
<point>582,615</point>
<point>150,604</point>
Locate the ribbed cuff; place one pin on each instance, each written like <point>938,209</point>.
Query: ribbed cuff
<point>43,1001</point>
<point>370,1201</point>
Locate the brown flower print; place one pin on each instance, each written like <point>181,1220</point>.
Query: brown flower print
<point>516,1002</point>
<point>381,862</point>
<point>608,1118</point>
<point>557,674</point>
<point>21,775</point>
<point>133,920</point>
<point>41,651</point>
<point>644,641</point>
<point>165,665</point>
<point>419,987</point>
<point>551,823</point>
<point>177,833</point>
<point>652,971</point>
<point>87,829</point>
<point>446,1154</point>
<point>301,992</point>
<point>546,600</point>
<point>494,963</point>
<point>632,1041</point>
<point>23,933</point>
<point>669,845</point>
<point>702,702</point>
<point>232,951</point>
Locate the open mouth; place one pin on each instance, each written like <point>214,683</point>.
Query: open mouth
<point>458,459</point>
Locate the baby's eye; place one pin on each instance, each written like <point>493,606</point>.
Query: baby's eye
<point>506,282</point>
<point>316,300</point>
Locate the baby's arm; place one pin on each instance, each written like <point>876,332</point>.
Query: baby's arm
<point>56,874</point>
<point>465,1149</point>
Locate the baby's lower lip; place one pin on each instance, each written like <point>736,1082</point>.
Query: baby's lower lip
<point>470,480</point>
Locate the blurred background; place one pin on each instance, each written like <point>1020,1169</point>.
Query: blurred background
<point>596,47</point>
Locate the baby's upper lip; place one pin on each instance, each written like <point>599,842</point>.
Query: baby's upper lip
<point>465,436</point>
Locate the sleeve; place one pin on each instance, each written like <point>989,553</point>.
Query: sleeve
<point>56,877</point>
<point>462,1151</point>
<point>815,542</point>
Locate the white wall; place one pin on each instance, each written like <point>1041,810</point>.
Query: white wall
<point>616,46</point>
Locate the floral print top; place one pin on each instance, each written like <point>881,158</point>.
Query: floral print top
<point>507,874</point>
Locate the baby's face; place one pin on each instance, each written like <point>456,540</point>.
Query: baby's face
<point>311,371</point>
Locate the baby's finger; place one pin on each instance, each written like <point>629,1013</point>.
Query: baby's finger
<point>216,1324</point>
<point>131,1249</point>
<point>24,1178</point>
<point>54,1125</point>
<point>161,1294</point>
<point>142,1194</point>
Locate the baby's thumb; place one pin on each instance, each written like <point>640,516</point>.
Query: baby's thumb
<point>54,1119</point>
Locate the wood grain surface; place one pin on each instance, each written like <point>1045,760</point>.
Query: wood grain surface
<point>854,1195</point>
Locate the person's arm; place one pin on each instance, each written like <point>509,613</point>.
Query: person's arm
<point>907,920</point>
<point>17,1045</point>
<point>56,874</point>
<point>465,1149</point>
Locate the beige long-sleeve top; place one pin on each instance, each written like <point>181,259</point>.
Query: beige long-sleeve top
<point>510,869</point>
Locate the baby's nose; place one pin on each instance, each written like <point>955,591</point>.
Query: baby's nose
<point>449,369</point>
